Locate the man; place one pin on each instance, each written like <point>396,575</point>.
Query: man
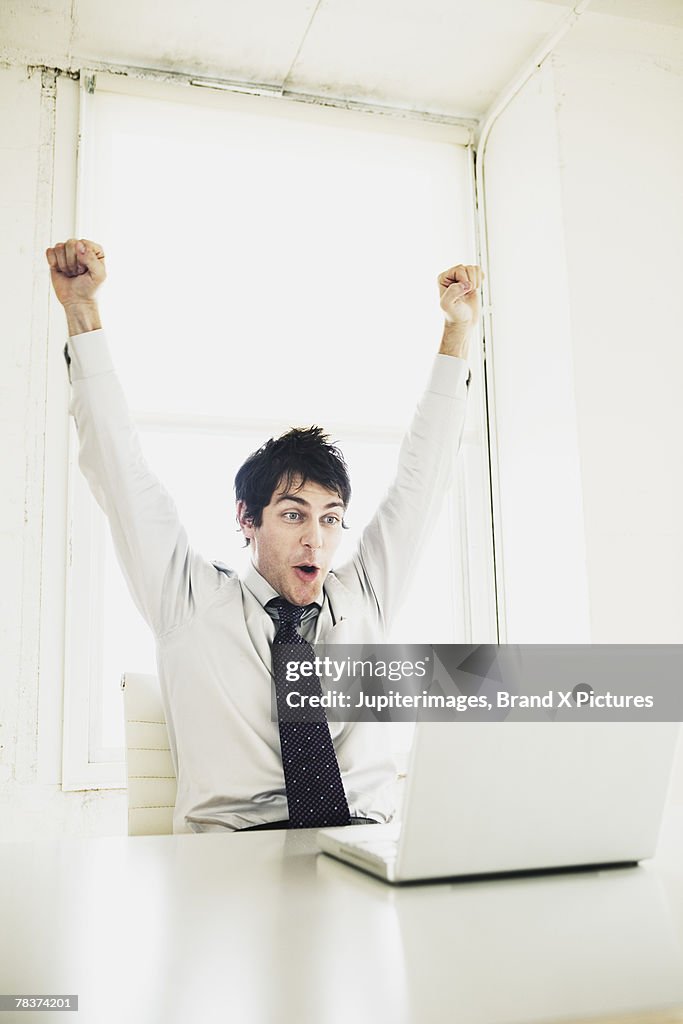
<point>219,637</point>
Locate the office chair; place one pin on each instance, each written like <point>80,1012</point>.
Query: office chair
<point>151,778</point>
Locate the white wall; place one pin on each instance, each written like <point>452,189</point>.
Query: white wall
<point>621,151</point>
<point>619,95</point>
<point>583,173</point>
<point>539,526</point>
<point>33,495</point>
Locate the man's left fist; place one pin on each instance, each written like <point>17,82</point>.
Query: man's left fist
<point>459,291</point>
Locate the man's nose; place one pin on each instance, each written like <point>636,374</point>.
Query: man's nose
<point>312,536</point>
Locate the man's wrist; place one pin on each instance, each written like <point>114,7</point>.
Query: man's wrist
<point>455,340</point>
<point>82,317</point>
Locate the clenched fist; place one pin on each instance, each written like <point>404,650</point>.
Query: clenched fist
<point>77,270</point>
<point>459,291</point>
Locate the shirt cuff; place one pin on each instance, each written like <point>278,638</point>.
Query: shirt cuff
<point>87,355</point>
<point>450,376</point>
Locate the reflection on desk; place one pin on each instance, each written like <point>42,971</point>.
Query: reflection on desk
<point>530,949</point>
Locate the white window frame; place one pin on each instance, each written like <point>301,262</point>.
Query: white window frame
<point>469,508</point>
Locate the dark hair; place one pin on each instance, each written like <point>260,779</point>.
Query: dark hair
<point>301,452</point>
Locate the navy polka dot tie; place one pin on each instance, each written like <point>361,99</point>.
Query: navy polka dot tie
<point>315,792</point>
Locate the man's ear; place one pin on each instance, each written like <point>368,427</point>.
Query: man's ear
<point>244,522</point>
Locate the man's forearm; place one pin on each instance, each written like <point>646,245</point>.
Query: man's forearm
<point>82,317</point>
<point>455,341</point>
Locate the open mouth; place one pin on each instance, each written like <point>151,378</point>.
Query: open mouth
<point>306,572</point>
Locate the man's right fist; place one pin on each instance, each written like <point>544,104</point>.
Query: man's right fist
<point>77,270</point>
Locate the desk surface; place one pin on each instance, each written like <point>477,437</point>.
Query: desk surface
<point>260,928</point>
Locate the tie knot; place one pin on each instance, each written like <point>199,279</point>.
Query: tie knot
<point>289,614</point>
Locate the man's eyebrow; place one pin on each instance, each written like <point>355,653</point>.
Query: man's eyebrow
<point>302,501</point>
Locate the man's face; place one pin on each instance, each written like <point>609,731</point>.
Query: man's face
<point>300,527</point>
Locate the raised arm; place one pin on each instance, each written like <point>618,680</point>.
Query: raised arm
<point>390,544</point>
<point>166,578</point>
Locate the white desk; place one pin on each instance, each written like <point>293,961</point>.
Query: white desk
<point>258,928</point>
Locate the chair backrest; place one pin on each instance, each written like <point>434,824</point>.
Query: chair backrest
<point>151,777</point>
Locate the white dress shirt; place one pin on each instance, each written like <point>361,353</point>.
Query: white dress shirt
<point>213,634</point>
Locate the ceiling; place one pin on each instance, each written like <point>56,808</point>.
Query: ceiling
<point>441,56</point>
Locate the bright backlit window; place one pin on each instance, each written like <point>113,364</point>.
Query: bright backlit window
<point>270,265</point>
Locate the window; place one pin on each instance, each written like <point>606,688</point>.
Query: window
<point>270,264</point>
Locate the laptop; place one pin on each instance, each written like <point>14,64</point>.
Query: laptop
<point>488,798</point>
